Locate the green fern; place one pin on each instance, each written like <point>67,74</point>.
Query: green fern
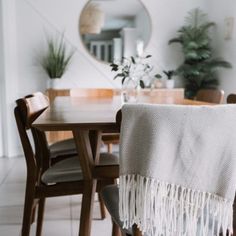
<point>199,69</point>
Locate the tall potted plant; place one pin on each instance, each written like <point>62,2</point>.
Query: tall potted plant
<point>199,69</point>
<point>56,60</point>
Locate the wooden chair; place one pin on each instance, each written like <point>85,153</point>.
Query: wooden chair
<point>110,194</point>
<point>210,95</point>
<point>60,149</point>
<point>108,139</point>
<point>231,98</point>
<point>64,148</point>
<point>43,180</point>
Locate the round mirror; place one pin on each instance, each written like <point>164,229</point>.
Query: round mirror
<point>113,29</point>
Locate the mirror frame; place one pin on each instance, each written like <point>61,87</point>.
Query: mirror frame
<point>105,62</point>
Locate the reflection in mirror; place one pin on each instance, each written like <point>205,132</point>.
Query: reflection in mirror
<point>112,29</point>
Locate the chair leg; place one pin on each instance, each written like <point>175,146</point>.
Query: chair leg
<point>40,217</point>
<point>136,231</point>
<point>115,229</point>
<point>28,209</point>
<point>102,207</point>
<point>87,207</point>
<point>33,214</point>
<point>109,147</point>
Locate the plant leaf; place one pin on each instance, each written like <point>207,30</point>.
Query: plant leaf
<point>123,80</point>
<point>119,75</point>
<point>115,69</point>
<point>133,60</point>
<point>114,65</point>
<point>175,40</point>
<point>158,76</point>
<point>141,83</point>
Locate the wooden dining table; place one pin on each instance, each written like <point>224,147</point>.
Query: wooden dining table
<point>88,118</point>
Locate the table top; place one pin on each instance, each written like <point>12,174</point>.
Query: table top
<point>67,113</point>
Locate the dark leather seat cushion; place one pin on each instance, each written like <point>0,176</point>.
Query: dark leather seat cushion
<point>110,195</point>
<point>70,170</point>
<point>107,159</point>
<point>61,148</point>
<point>67,170</point>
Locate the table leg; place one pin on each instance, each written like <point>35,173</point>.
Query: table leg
<point>95,138</point>
<point>88,151</point>
<point>95,141</point>
<point>136,231</point>
<point>85,153</point>
<point>87,208</point>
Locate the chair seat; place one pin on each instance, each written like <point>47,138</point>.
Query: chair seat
<point>110,138</point>
<point>68,147</point>
<point>69,169</point>
<point>64,147</point>
<point>107,159</point>
<point>63,171</point>
<point>110,195</point>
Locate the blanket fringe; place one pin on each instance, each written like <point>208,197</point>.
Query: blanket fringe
<point>164,209</point>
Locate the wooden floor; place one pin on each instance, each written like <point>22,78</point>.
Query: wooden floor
<point>61,215</point>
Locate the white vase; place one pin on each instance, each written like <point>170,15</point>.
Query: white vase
<point>54,83</point>
<point>170,83</point>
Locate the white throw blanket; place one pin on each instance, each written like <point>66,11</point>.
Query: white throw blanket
<point>178,169</point>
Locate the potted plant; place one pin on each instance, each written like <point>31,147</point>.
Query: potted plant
<point>170,82</point>
<point>199,69</point>
<point>132,72</point>
<point>156,82</point>
<point>56,60</point>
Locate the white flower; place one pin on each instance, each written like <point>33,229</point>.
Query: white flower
<point>135,69</point>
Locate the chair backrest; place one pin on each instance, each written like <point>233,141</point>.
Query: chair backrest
<point>93,93</point>
<point>27,110</point>
<point>132,163</point>
<point>231,98</point>
<point>210,95</point>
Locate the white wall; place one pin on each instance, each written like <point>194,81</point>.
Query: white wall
<point>222,47</point>
<point>167,17</point>
<point>38,18</point>
<point>9,85</point>
<point>1,81</point>
<point>26,22</point>
<point>143,25</point>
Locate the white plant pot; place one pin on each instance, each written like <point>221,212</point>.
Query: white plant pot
<point>170,83</point>
<point>158,83</point>
<point>54,83</point>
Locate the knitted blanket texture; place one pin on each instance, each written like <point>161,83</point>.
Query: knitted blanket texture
<point>178,169</point>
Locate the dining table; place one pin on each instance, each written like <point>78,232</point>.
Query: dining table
<point>88,119</point>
